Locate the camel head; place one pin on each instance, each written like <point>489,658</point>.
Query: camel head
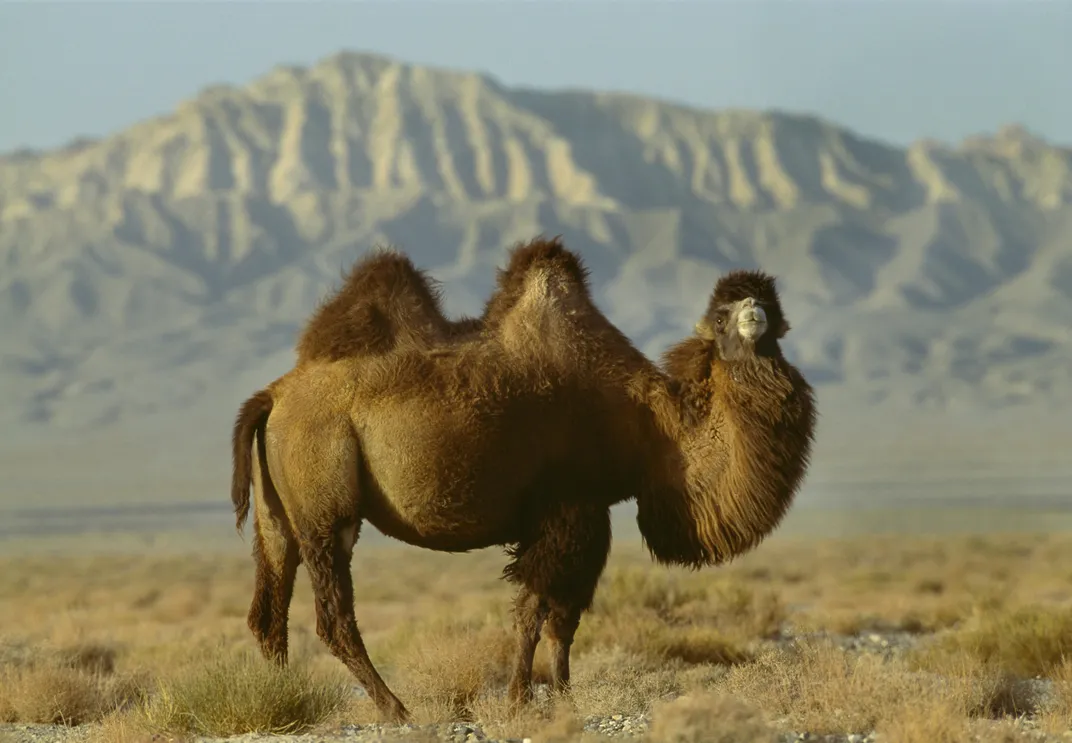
<point>744,316</point>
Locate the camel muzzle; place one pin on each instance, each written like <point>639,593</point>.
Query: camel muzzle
<point>752,322</point>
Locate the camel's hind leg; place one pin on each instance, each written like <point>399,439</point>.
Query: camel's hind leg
<point>275,552</point>
<point>558,567</point>
<point>327,559</point>
<point>318,460</point>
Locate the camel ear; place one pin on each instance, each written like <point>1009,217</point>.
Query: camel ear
<point>704,330</point>
<point>782,329</point>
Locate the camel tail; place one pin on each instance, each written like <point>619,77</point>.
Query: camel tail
<point>250,420</point>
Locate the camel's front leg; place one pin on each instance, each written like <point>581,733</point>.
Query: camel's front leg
<point>558,570</point>
<point>530,611</point>
<point>561,626</point>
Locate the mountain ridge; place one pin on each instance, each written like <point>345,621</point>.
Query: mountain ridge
<point>147,270</point>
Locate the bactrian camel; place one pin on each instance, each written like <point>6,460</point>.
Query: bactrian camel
<point>521,429</point>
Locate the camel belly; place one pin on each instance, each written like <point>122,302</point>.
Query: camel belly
<point>448,476</point>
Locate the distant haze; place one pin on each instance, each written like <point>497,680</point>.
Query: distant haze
<point>898,71</point>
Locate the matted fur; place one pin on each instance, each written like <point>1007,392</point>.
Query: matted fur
<point>522,435</point>
<point>764,396</point>
<point>384,300</point>
<point>549,256</point>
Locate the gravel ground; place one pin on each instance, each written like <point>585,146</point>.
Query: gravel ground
<point>626,727</point>
<point>886,644</point>
<point>614,728</point>
<point>41,734</point>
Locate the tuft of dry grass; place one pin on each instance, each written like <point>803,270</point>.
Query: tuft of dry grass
<point>654,641</point>
<point>980,690</point>
<point>238,693</point>
<point>820,688</point>
<point>734,607</point>
<point>1024,642</point>
<point>709,718</point>
<point>1056,716</point>
<point>816,687</point>
<point>64,686</point>
<point>662,616</point>
<point>935,721</point>
<point>60,696</point>
<point>446,666</point>
<point>549,721</point>
<point>614,682</point>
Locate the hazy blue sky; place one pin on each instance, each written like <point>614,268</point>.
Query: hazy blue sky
<point>888,68</point>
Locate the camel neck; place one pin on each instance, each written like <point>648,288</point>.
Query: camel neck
<point>736,469</point>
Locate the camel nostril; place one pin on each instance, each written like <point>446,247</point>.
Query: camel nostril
<point>753,314</point>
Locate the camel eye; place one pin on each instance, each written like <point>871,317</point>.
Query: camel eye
<point>718,321</point>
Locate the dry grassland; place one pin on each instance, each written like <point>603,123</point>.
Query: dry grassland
<point>979,628</point>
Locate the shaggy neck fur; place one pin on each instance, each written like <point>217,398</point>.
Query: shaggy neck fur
<point>744,431</point>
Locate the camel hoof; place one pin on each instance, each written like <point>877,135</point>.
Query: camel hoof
<point>395,712</point>
<point>562,691</point>
<point>519,696</point>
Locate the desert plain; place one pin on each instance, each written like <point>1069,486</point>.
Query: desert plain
<point>936,622</point>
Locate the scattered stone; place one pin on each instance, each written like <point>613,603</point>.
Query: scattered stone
<point>885,643</point>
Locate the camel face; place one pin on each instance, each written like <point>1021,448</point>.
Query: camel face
<point>735,327</point>
<point>737,292</point>
<point>751,319</point>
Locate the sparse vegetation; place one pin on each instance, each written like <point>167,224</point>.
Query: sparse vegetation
<point>447,669</point>
<point>709,718</point>
<point>1023,641</point>
<point>133,647</point>
<point>238,693</point>
<point>64,686</point>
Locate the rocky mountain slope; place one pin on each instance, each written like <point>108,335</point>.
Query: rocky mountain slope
<point>166,268</point>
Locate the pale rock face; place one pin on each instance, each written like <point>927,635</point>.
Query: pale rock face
<point>166,268</point>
